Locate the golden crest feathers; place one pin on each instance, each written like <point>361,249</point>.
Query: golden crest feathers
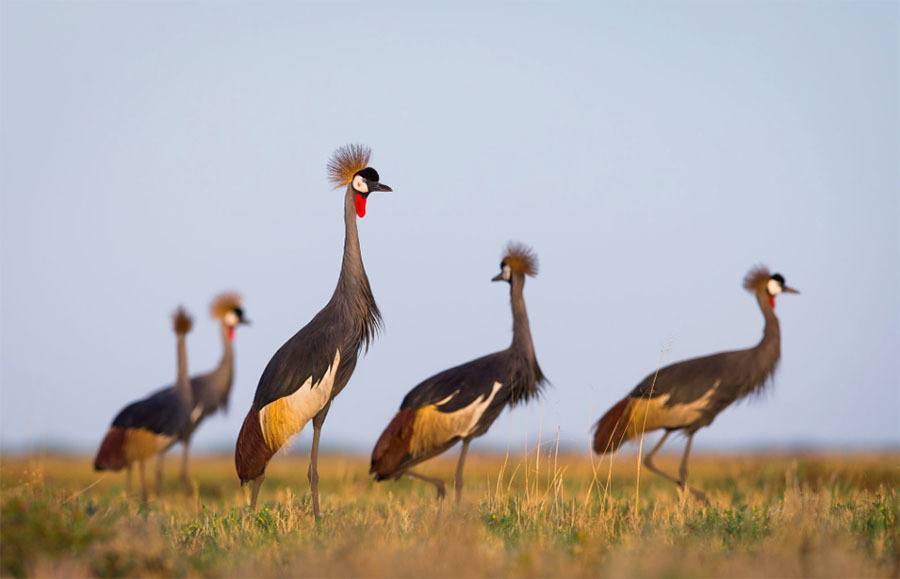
<point>346,162</point>
<point>757,278</point>
<point>521,259</point>
<point>182,321</point>
<point>224,303</point>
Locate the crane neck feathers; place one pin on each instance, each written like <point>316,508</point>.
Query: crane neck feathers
<point>526,379</point>
<point>763,361</point>
<point>353,294</point>
<point>217,385</point>
<point>183,380</point>
<point>521,340</point>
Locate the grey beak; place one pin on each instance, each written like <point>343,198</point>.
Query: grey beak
<point>498,277</point>
<point>373,187</point>
<point>790,290</point>
<point>244,322</point>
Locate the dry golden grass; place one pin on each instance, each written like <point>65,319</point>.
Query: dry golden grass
<point>537,515</point>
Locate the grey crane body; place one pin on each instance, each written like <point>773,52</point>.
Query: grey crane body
<point>688,395</point>
<point>315,364</point>
<point>150,426</point>
<point>516,368</point>
<point>461,403</point>
<point>209,391</point>
<point>347,323</point>
<point>730,376</point>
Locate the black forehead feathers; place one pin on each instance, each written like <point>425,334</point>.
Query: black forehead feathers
<point>239,311</point>
<point>369,174</point>
<point>778,277</point>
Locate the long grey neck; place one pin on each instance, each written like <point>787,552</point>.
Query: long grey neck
<point>225,368</point>
<point>353,273</point>
<point>183,381</point>
<point>353,295</point>
<point>769,348</point>
<point>521,341</point>
<point>227,349</point>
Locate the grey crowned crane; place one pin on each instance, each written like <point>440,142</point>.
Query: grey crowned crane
<point>461,403</point>
<point>150,426</point>
<point>688,395</point>
<point>313,366</point>
<point>212,389</point>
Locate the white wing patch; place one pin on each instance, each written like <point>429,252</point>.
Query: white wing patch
<point>472,413</point>
<point>678,415</point>
<point>284,418</point>
<point>432,428</point>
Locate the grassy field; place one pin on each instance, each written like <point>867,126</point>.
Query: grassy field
<point>828,515</point>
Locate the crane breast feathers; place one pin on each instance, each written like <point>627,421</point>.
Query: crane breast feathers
<point>285,417</point>
<point>434,426</point>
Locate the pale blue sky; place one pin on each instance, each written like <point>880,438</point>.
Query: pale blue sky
<point>154,154</point>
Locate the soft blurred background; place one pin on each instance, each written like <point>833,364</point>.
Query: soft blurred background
<point>154,154</point>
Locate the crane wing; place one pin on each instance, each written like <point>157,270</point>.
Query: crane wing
<point>307,355</point>
<point>451,405</point>
<point>686,381</point>
<point>160,413</point>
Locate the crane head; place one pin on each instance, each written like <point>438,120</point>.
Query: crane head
<point>181,321</point>
<point>227,308</point>
<point>364,183</point>
<point>775,286</point>
<point>759,281</point>
<point>519,259</point>
<point>349,165</point>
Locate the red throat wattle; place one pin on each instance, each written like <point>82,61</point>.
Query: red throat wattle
<point>772,301</point>
<point>360,205</point>
<point>231,332</point>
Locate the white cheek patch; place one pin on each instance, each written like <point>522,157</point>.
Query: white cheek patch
<point>774,287</point>
<point>230,319</point>
<point>359,184</point>
<point>507,272</point>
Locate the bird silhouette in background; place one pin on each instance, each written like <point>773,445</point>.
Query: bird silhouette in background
<point>150,426</point>
<point>461,403</point>
<point>313,366</point>
<point>688,395</point>
<point>212,389</point>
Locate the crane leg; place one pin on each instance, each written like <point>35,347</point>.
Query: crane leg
<point>683,468</point>
<point>159,473</point>
<point>683,471</point>
<point>313,473</point>
<point>438,483</point>
<point>185,455</point>
<point>648,460</point>
<point>143,476</point>
<point>255,485</point>
<point>458,483</point>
